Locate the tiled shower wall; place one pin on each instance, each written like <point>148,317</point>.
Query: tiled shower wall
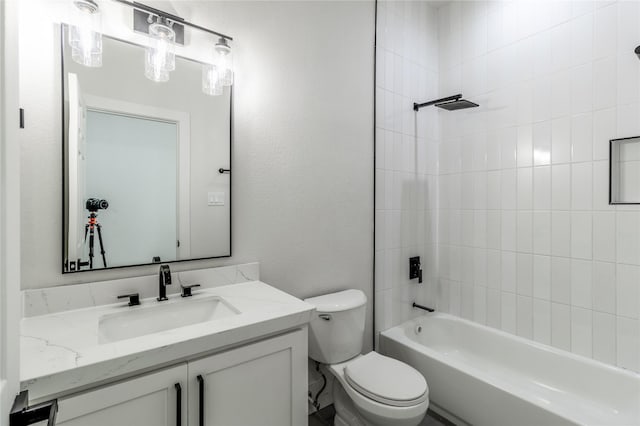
<point>406,156</point>
<point>528,242</point>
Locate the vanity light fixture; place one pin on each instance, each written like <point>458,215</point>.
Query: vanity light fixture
<point>224,61</point>
<point>211,84</point>
<point>160,58</point>
<point>85,38</point>
<point>164,31</point>
<point>219,73</point>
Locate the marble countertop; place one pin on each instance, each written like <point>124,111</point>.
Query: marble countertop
<point>61,352</point>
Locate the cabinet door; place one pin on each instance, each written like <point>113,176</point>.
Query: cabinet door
<point>150,400</point>
<point>260,384</point>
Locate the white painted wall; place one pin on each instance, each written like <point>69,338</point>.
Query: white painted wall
<point>9,212</point>
<point>302,154</point>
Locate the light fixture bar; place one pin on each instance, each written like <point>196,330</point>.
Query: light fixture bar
<point>176,19</point>
<point>142,20</point>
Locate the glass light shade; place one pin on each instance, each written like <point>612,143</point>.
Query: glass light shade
<point>224,61</point>
<point>85,38</point>
<point>160,58</point>
<point>211,84</point>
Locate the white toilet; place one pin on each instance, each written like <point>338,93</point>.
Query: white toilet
<point>371,389</point>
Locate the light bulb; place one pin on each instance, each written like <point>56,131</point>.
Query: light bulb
<point>224,60</point>
<point>211,84</point>
<point>85,38</point>
<point>160,58</point>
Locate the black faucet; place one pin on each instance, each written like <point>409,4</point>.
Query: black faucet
<point>163,281</point>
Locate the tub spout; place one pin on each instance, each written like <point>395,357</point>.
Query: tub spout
<point>415,305</point>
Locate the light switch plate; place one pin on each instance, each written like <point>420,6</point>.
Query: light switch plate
<point>215,198</point>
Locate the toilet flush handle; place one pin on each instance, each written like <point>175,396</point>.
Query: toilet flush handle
<point>325,317</point>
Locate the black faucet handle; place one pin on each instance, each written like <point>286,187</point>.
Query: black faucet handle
<point>186,289</point>
<point>165,274</point>
<point>134,298</point>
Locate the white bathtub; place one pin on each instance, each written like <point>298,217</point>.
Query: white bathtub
<point>487,377</point>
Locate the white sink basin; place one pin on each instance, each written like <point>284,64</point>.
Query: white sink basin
<point>142,320</point>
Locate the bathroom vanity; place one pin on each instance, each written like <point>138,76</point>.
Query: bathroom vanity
<point>237,356</point>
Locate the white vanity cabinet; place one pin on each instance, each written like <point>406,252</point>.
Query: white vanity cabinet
<point>260,384</point>
<point>149,400</point>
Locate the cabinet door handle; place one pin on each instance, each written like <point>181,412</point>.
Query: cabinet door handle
<point>201,407</point>
<point>178,404</point>
<point>22,414</point>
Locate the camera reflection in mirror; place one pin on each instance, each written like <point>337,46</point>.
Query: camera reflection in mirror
<point>152,150</point>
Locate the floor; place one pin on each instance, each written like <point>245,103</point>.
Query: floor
<point>324,417</point>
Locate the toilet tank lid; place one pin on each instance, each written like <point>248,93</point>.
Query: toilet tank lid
<point>340,301</point>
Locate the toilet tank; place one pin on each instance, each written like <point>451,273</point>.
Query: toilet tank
<point>336,331</point>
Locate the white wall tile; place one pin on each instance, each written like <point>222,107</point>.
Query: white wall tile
<point>525,317</point>
<point>581,235</point>
<point>581,283</point>
<point>604,129</point>
<point>525,232</point>
<point>604,287</point>
<point>542,232</point>
<point>508,313</point>
<point>628,290</point>
<point>542,277</point>
<point>561,326</point>
<point>561,140</point>
<point>494,269</point>
<point>582,137</point>
<point>604,337</point>
<point>581,334</point>
<point>509,230</point>
<point>561,280</point>
<point>509,189</point>
<point>628,343</point>
<point>525,146</point>
<point>561,233</point>
<point>582,88</point>
<point>542,321</point>
<point>581,186</point>
<point>509,141</point>
<point>480,304</point>
<point>508,277</point>
<point>542,188</point>
<point>524,274</point>
<point>561,187</point>
<point>494,308</point>
<point>604,72</point>
<point>601,186</point>
<point>627,241</point>
<point>525,188</point>
<point>605,31</point>
<point>604,236</point>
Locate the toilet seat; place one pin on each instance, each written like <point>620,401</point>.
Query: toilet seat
<point>386,380</point>
<point>369,408</point>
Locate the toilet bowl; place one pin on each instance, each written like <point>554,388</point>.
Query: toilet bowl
<point>371,389</point>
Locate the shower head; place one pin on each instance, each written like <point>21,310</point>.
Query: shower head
<point>450,103</point>
<point>637,51</point>
<point>459,104</point>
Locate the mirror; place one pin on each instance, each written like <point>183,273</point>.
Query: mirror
<point>624,171</point>
<point>145,164</point>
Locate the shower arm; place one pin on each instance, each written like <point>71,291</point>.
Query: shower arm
<point>417,106</point>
